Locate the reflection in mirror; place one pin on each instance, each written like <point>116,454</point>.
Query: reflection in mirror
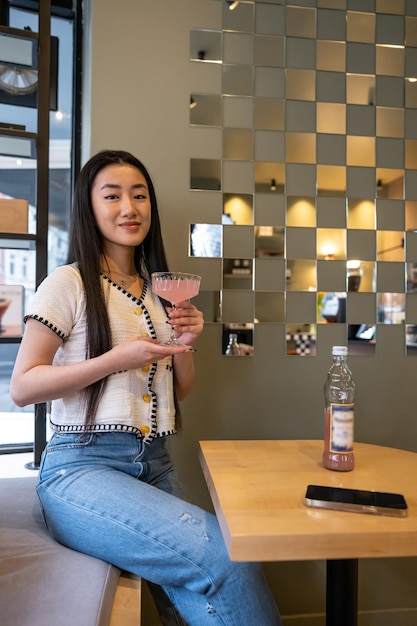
<point>361,213</point>
<point>300,148</point>
<point>411,215</point>
<point>237,273</point>
<point>331,243</point>
<point>331,307</point>
<point>205,110</point>
<point>331,118</point>
<point>411,339</point>
<point>269,177</point>
<point>301,212</point>
<point>206,240</point>
<point>360,276</point>
<point>269,241</point>
<point>361,339</point>
<point>390,183</point>
<point>301,275</point>
<point>391,308</point>
<point>331,180</point>
<point>360,27</point>
<point>331,56</point>
<point>390,245</point>
<point>206,45</point>
<point>411,154</point>
<point>205,174</point>
<point>360,89</point>
<point>237,339</point>
<point>411,277</point>
<point>360,151</point>
<point>238,208</point>
<point>389,60</point>
<point>354,272</point>
<point>301,339</point>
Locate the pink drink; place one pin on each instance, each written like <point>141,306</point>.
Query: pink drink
<point>177,288</point>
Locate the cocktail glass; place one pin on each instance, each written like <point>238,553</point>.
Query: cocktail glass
<point>175,287</point>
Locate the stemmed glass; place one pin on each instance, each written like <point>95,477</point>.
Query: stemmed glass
<point>175,287</point>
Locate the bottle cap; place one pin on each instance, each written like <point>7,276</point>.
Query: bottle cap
<point>339,350</point>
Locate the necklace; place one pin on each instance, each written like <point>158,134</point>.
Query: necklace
<point>125,279</point>
<point>122,278</point>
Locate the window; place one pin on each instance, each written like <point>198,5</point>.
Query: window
<point>18,177</point>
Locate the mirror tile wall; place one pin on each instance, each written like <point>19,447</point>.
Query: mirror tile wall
<point>307,191</point>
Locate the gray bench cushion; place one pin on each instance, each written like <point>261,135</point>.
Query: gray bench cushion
<point>43,583</point>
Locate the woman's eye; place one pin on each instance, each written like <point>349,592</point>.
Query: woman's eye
<point>111,196</point>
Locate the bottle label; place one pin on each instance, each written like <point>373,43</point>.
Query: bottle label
<point>341,427</point>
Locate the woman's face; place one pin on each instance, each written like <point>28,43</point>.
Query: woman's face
<point>121,205</point>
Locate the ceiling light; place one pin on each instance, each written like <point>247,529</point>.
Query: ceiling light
<point>193,103</point>
<point>232,5</point>
<point>273,186</point>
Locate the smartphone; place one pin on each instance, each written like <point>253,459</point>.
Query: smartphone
<point>356,500</point>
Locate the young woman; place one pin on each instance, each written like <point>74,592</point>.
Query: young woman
<point>93,346</point>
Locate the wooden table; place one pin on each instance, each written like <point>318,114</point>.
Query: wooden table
<point>258,488</point>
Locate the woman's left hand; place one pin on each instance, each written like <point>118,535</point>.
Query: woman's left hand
<point>187,321</point>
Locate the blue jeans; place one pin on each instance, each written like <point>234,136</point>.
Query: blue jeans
<point>111,496</point>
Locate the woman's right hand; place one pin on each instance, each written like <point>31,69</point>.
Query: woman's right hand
<point>140,352</point>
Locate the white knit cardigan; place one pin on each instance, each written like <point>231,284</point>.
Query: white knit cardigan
<point>138,401</point>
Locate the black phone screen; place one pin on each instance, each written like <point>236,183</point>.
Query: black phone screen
<point>359,497</point>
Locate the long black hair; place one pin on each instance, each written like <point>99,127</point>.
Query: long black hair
<point>86,248</point>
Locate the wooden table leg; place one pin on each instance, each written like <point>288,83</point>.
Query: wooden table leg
<point>342,592</point>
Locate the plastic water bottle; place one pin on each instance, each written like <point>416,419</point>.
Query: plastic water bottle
<point>339,392</point>
<point>233,347</point>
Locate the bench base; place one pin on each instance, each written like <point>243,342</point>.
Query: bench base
<point>127,601</point>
